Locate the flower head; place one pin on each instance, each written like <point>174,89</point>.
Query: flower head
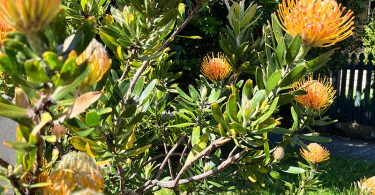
<point>76,170</point>
<point>321,23</point>
<point>28,15</point>
<point>4,29</point>
<point>98,61</point>
<point>216,68</point>
<point>320,93</point>
<point>278,153</point>
<point>315,153</point>
<point>367,185</point>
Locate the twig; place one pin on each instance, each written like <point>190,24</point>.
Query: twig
<point>171,184</point>
<point>185,150</point>
<point>227,4</point>
<point>204,152</point>
<point>167,157</point>
<point>122,181</point>
<point>4,163</point>
<point>169,162</point>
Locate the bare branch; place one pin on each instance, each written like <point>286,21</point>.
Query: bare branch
<point>204,152</point>
<point>171,184</point>
<point>168,156</point>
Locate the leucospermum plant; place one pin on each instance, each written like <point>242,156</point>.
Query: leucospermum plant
<point>99,109</point>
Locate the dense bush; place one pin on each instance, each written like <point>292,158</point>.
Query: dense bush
<point>98,109</point>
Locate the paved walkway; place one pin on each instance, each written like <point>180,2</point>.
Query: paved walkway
<point>7,133</point>
<point>352,148</point>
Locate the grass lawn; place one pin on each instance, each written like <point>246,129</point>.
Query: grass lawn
<point>340,176</point>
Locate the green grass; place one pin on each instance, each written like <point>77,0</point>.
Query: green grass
<point>340,175</point>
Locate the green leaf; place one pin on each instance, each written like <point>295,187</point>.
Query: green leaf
<point>273,81</point>
<point>182,125</point>
<point>295,170</point>
<point>202,144</point>
<point>139,87</point>
<point>270,111</point>
<point>184,95</point>
<point>12,111</point>
<point>281,131</point>
<point>146,93</point>
<point>277,31</point>
<point>293,49</point>
<point>196,134</point>
<point>92,119</point>
<point>315,138</point>
<point>295,119</point>
<point>259,78</point>
<point>232,108</point>
<point>238,128</point>
<point>63,91</point>
<point>22,146</point>
<point>319,61</point>
<point>138,151</point>
<point>50,138</point>
<point>297,73</point>
<point>129,111</point>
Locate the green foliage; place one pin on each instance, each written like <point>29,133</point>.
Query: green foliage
<point>148,133</point>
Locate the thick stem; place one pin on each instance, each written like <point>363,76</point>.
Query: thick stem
<point>204,152</point>
<point>171,184</point>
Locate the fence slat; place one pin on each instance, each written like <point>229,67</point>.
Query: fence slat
<point>350,102</point>
<point>358,103</point>
<point>366,112</point>
<point>341,109</point>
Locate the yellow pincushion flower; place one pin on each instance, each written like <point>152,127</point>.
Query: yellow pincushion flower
<point>367,185</point>
<point>98,61</point>
<point>216,68</point>
<point>320,93</point>
<point>28,16</point>
<point>321,23</point>
<point>315,153</point>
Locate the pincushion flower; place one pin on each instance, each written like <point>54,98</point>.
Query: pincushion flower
<point>278,153</point>
<point>4,29</point>
<point>320,93</point>
<point>321,23</point>
<point>216,68</point>
<point>28,16</point>
<point>98,61</point>
<point>367,185</point>
<point>76,170</point>
<point>315,153</point>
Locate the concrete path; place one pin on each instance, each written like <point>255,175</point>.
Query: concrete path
<point>352,148</point>
<point>7,133</point>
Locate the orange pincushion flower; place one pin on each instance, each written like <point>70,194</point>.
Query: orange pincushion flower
<point>75,171</point>
<point>320,93</point>
<point>315,153</point>
<point>4,29</point>
<point>368,185</point>
<point>321,23</point>
<point>28,15</point>
<point>216,68</point>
